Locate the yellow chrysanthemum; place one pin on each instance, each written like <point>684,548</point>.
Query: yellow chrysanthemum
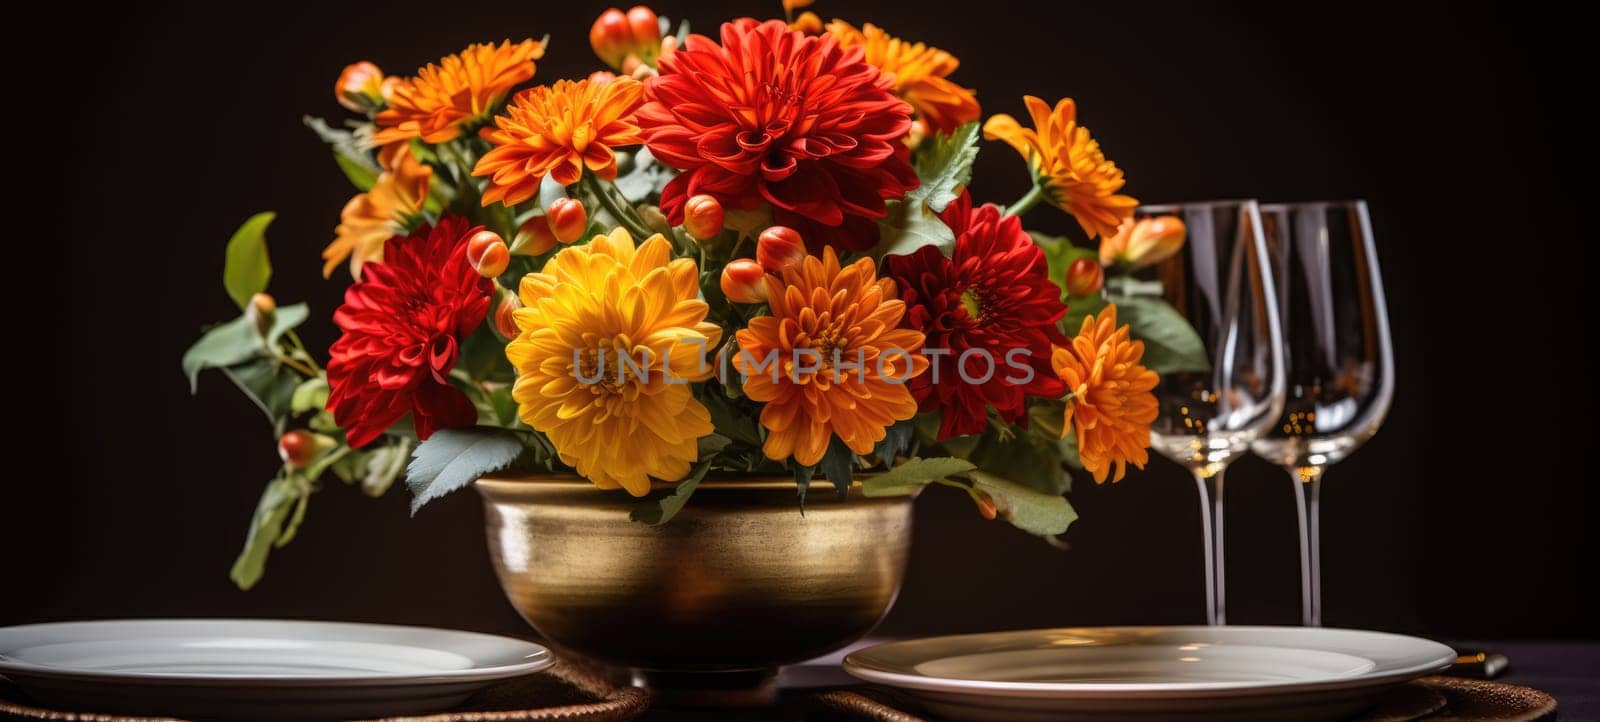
<point>558,130</point>
<point>459,88</point>
<point>919,75</point>
<point>372,218</point>
<point>1069,163</point>
<point>607,339</point>
<point>1109,404</point>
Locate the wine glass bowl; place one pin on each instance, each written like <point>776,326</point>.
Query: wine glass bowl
<point>1339,363</point>
<point>1232,390</point>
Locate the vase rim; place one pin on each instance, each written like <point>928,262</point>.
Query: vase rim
<point>714,480</point>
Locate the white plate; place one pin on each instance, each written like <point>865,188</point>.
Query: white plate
<point>257,669</point>
<point>1151,673</point>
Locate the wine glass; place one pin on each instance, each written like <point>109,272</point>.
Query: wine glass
<point>1340,369</point>
<point>1221,283</point>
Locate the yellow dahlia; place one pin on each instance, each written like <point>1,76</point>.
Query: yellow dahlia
<point>459,88</point>
<point>919,75</point>
<point>382,212</point>
<point>607,339</point>
<point>1069,163</point>
<point>831,360</point>
<point>1109,403</point>
<point>559,130</point>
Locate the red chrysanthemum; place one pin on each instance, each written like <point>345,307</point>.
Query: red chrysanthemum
<point>403,323</point>
<point>995,299</point>
<point>773,115</point>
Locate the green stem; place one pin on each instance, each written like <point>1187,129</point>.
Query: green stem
<point>624,214</point>
<point>1027,202</point>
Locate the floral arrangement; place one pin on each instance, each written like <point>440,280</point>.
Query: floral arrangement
<point>754,253</point>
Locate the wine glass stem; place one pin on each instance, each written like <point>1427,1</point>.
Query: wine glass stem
<point>1211,520</point>
<point>1308,490</point>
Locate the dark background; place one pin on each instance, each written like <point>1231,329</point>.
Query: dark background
<point>147,134</point>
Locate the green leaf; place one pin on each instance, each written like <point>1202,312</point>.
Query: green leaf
<point>286,318</point>
<point>838,466</point>
<point>310,394</point>
<point>913,221</point>
<point>247,268</point>
<point>453,458</point>
<point>945,167</point>
<point>909,226</point>
<point>729,416</point>
<point>231,343</point>
<point>1024,455</point>
<point>1170,343</point>
<point>363,177</point>
<point>1078,309</point>
<point>483,356</point>
<point>1026,508</point>
<point>292,526</point>
<point>646,179</point>
<point>896,440</point>
<point>661,511</point>
<point>384,466</point>
<point>353,147</point>
<point>280,497</point>
<point>913,475</point>
<point>269,384</point>
<point>505,407</point>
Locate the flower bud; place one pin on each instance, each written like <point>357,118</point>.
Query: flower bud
<point>533,238</point>
<point>986,505</point>
<point>488,254</point>
<point>779,247</point>
<point>601,77</point>
<point>616,35</point>
<point>1085,277</point>
<point>744,281</point>
<point>503,321</point>
<point>567,219</point>
<point>645,25</point>
<point>360,87</point>
<point>299,448</point>
<point>1143,242</point>
<point>388,87</point>
<point>263,313</point>
<point>702,217</point>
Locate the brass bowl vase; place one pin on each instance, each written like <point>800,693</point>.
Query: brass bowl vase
<point>707,606</point>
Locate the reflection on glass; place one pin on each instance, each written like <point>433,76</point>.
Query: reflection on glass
<point>1220,282</point>
<point>1338,358</point>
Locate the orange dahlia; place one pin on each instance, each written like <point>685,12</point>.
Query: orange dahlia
<point>1109,403</point>
<point>831,360</point>
<point>459,88</point>
<point>774,116</point>
<point>381,213</point>
<point>1069,164</point>
<point>919,73</point>
<point>607,341</point>
<point>558,130</point>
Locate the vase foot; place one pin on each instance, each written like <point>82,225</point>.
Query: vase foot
<point>742,688</point>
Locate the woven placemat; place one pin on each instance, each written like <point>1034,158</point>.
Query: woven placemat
<point>573,693</point>
<point>1430,698</point>
<point>567,691</point>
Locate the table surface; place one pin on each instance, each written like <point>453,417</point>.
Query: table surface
<point>1569,671</point>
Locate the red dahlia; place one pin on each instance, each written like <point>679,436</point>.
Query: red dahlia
<point>775,115</point>
<point>403,323</point>
<point>994,297</point>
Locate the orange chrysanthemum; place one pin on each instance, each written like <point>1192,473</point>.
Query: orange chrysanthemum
<point>459,88</point>
<point>1069,163</point>
<point>608,339</point>
<point>559,130</point>
<point>919,75</point>
<point>845,321</point>
<point>381,213</point>
<point>1109,403</point>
